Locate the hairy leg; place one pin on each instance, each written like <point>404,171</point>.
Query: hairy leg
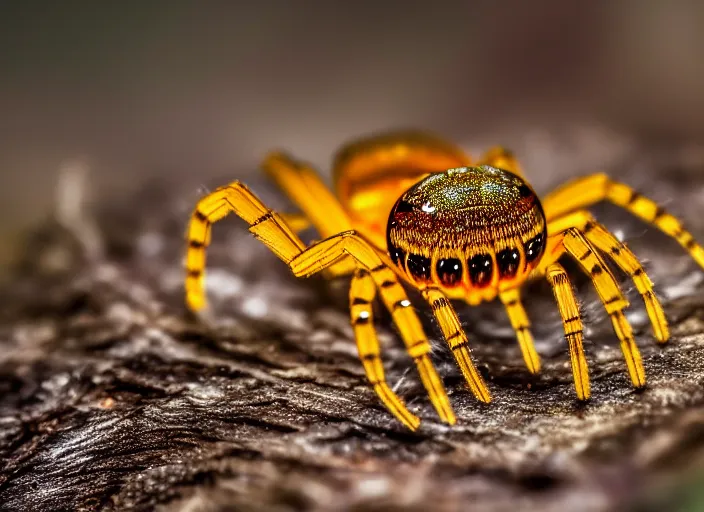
<point>457,341</point>
<point>362,294</point>
<point>521,324</point>
<point>624,258</point>
<point>589,190</point>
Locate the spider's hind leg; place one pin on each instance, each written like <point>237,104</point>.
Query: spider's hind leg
<point>589,190</point>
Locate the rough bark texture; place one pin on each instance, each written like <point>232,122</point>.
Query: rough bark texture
<point>113,397</point>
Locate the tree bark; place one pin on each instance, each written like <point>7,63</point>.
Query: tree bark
<point>114,397</point>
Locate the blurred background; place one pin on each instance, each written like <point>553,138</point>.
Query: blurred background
<point>192,90</point>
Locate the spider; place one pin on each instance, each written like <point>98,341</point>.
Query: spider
<point>456,229</point>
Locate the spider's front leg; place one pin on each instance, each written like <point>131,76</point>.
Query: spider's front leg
<point>362,294</point>
<point>326,252</point>
<point>394,297</point>
<point>624,258</point>
<point>574,243</point>
<point>457,340</point>
<point>269,227</point>
<point>265,224</point>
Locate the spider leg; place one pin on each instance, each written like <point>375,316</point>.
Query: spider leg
<point>362,294</point>
<point>584,192</point>
<point>573,242</point>
<point>521,324</point>
<point>502,158</point>
<point>270,228</point>
<point>326,252</point>
<point>305,188</point>
<point>572,322</point>
<point>320,207</point>
<point>624,258</point>
<point>265,224</point>
<point>457,340</point>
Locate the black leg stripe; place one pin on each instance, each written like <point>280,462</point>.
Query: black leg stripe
<point>454,335</point>
<point>634,197</point>
<point>263,218</point>
<point>461,344</point>
<point>440,303</point>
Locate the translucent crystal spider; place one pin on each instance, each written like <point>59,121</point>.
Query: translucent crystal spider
<point>411,207</point>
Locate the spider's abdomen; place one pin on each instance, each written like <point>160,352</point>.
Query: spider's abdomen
<point>472,231</point>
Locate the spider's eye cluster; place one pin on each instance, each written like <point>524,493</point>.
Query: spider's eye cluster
<point>475,226</point>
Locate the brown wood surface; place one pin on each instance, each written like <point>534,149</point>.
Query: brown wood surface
<point>113,397</point>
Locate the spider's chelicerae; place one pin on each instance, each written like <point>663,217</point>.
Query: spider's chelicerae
<point>455,230</point>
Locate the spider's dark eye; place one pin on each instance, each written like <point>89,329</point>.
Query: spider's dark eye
<point>449,271</point>
<point>534,247</point>
<point>525,191</point>
<point>397,255</point>
<point>403,207</point>
<point>480,269</point>
<point>418,266</point>
<point>508,260</point>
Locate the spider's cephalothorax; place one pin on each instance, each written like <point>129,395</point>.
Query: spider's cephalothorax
<point>472,231</point>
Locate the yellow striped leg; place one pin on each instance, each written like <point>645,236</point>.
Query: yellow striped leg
<point>362,293</point>
<point>304,187</point>
<point>266,225</point>
<point>619,252</point>
<point>326,252</point>
<point>584,192</point>
<point>610,294</point>
<point>572,322</point>
<point>457,340</point>
<point>521,324</point>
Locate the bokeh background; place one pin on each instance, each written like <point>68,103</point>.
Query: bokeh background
<point>191,90</point>
<point>185,92</point>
